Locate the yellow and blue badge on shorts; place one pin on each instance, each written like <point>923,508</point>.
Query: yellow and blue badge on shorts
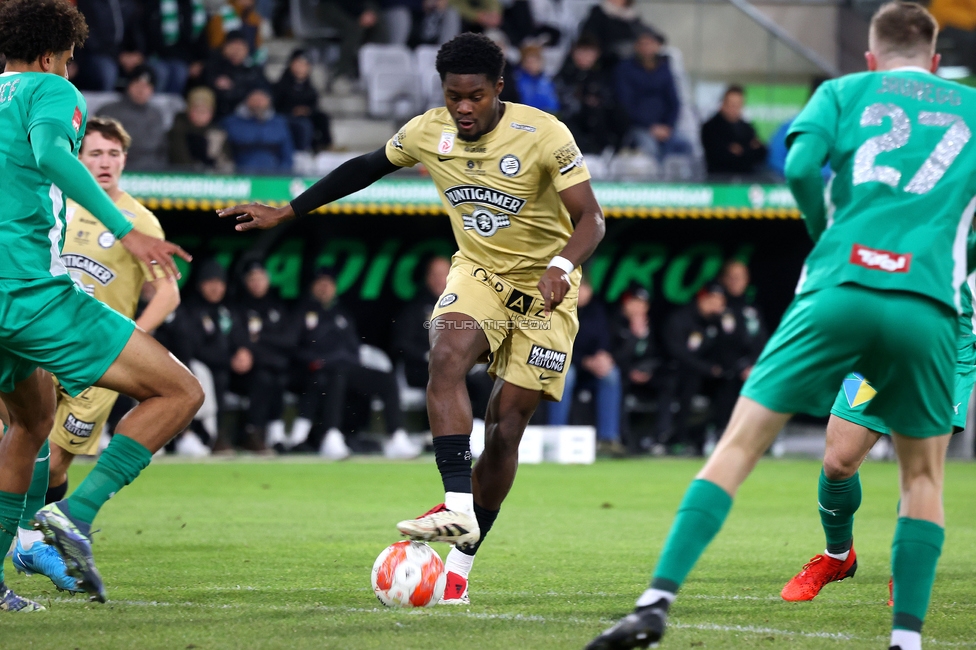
<point>857,390</point>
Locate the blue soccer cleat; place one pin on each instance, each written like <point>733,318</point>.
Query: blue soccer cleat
<point>11,602</point>
<point>72,543</point>
<point>44,560</point>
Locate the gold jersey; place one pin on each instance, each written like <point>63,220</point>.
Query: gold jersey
<point>99,264</point>
<point>502,191</point>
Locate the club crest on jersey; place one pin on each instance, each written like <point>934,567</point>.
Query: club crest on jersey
<point>76,119</point>
<point>311,320</point>
<point>446,144</point>
<point>509,165</point>
<point>547,359</point>
<point>106,239</point>
<point>880,260</point>
<point>100,273</point>
<point>485,222</point>
<point>460,194</point>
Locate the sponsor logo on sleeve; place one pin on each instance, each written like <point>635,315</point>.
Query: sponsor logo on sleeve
<point>77,427</point>
<point>99,272</point>
<point>448,300</point>
<point>398,139</point>
<point>547,359</point>
<point>568,158</point>
<point>76,119</point>
<point>879,260</point>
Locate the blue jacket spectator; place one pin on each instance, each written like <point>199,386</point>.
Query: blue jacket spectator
<point>534,87</point>
<point>260,138</point>
<point>647,93</point>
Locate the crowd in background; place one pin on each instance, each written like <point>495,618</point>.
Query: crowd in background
<point>645,391</point>
<point>615,89</point>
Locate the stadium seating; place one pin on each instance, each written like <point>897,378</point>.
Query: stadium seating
<point>389,73</point>
<point>168,105</point>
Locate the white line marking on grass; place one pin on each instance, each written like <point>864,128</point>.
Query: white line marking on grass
<point>528,618</point>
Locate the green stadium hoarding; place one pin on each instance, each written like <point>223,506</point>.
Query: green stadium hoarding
<point>419,196</point>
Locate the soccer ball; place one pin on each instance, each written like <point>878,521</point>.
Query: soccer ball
<point>409,574</point>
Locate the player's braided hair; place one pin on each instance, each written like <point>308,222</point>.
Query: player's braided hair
<point>32,28</point>
<point>471,54</point>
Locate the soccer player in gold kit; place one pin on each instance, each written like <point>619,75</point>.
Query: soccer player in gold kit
<point>525,218</point>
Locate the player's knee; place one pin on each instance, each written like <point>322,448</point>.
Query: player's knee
<point>444,369</point>
<point>837,467</point>
<point>192,392</point>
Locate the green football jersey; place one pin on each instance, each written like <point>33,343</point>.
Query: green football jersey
<point>901,198</point>
<point>32,212</point>
<point>967,323</point>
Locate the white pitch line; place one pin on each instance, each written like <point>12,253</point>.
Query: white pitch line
<point>528,618</point>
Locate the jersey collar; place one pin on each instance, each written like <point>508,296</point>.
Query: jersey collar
<point>910,68</point>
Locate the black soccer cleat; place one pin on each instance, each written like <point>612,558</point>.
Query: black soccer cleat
<point>641,629</point>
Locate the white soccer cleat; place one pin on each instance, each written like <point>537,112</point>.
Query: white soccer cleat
<point>400,447</point>
<point>189,445</point>
<point>334,446</point>
<point>442,525</point>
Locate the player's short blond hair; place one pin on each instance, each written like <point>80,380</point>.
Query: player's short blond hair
<point>110,129</point>
<point>903,28</point>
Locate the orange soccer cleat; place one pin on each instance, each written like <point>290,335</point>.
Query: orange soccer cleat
<point>816,573</point>
<point>891,592</point>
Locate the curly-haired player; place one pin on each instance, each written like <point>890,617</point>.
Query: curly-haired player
<point>42,118</point>
<point>524,216</point>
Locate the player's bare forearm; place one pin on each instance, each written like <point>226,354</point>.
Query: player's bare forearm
<point>802,171</point>
<point>164,301</point>
<point>588,219</point>
<point>348,178</point>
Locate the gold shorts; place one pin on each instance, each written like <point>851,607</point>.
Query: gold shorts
<point>79,421</point>
<point>530,349</point>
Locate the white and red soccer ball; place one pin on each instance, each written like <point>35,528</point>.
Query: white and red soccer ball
<point>409,574</point>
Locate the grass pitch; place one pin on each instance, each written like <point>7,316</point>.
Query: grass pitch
<point>245,555</point>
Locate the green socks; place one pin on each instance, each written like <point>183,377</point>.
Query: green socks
<point>38,487</point>
<point>11,507</point>
<point>700,516</point>
<point>914,554</point>
<point>838,501</point>
<point>119,465</point>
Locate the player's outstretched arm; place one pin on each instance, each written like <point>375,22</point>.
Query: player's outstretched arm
<point>52,151</point>
<point>348,178</point>
<point>587,216</point>
<point>803,164</point>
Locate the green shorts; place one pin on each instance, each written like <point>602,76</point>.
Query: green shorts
<point>856,392</point>
<point>52,324</point>
<point>904,341</point>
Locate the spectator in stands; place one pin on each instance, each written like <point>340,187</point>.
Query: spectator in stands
<point>353,20</point>
<point>231,75</point>
<point>534,87</point>
<point>749,335</point>
<point>615,25</point>
<point>297,100</point>
<point>196,141</point>
<point>730,143</point>
<point>510,89</point>
<point>693,341</point>
<point>593,367</point>
<point>169,37</point>
<point>479,15</point>
<point>259,138</point>
<point>138,116</point>
<point>635,353</point>
<point>98,65</point>
<point>328,354</point>
<point>236,16</point>
<point>587,103</point>
<point>263,340</point>
<point>532,22</point>
<point>420,22</point>
<point>646,91</point>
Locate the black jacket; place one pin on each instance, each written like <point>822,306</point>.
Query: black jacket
<point>745,342</point>
<point>589,107</point>
<point>594,331</point>
<point>109,22</point>
<point>244,77</point>
<point>176,335</point>
<point>290,93</point>
<point>210,327</point>
<point>718,134</point>
<point>693,341</point>
<point>410,338</point>
<point>327,335</point>
<point>615,35</point>
<point>635,353</point>
<point>146,34</point>
<point>263,326</point>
